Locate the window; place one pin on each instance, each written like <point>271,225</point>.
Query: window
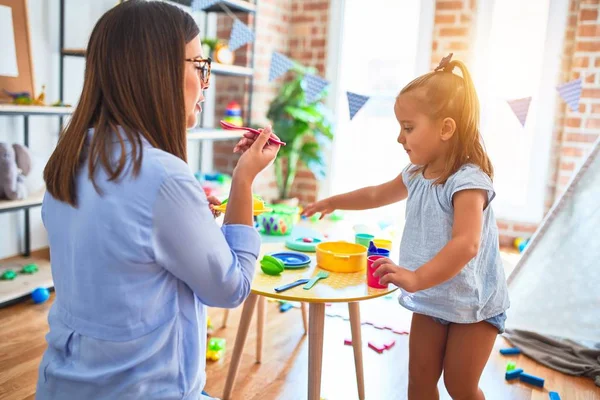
<point>381,48</point>
<point>517,54</point>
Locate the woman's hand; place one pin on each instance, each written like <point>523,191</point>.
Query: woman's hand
<point>388,272</point>
<point>212,202</point>
<point>323,206</point>
<point>257,153</point>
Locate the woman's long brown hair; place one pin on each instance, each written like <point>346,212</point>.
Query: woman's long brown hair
<point>445,94</point>
<point>134,79</point>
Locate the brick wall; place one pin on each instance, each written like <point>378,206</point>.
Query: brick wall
<point>579,129</point>
<point>574,132</point>
<point>308,45</point>
<point>292,27</point>
<point>272,31</point>
<point>453,30</point>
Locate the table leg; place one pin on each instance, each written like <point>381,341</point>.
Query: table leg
<point>315,349</point>
<point>240,340</point>
<point>304,317</point>
<point>260,328</point>
<point>357,345</point>
<point>225,317</point>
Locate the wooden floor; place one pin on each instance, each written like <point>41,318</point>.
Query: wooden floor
<point>283,372</point>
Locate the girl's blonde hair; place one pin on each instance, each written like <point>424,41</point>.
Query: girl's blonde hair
<point>447,95</point>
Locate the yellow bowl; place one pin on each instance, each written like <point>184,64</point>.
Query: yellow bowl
<point>383,244</point>
<point>341,256</point>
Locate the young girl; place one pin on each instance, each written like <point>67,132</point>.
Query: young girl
<point>449,269</point>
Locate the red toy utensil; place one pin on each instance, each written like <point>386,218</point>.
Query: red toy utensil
<point>228,126</point>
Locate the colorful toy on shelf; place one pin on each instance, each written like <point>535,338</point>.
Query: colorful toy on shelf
<point>223,55</point>
<point>280,221</point>
<point>25,99</point>
<point>215,349</point>
<point>29,269</point>
<point>233,114</point>
<point>40,295</point>
<point>8,275</point>
<point>15,166</point>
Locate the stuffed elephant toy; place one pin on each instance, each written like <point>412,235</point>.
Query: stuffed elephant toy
<point>15,165</point>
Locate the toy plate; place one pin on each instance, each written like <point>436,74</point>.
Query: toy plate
<point>291,259</point>
<point>300,244</point>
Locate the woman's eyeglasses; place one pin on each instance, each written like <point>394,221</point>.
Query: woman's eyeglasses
<point>203,67</point>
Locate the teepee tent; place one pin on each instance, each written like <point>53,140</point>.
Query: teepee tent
<point>555,287</point>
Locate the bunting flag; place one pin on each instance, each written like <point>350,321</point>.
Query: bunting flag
<point>313,86</point>
<point>201,5</point>
<point>240,35</point>
<point>280,64</point>
<point>356,102</point>
<point>571,93</point>
<point>520,107</point>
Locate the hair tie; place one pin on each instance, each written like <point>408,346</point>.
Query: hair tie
<point>444,63</point>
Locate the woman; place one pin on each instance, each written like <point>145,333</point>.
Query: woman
<point>136,254</point>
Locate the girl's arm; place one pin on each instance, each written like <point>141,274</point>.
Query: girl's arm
<point>464,245</point>
<point>362,199</point>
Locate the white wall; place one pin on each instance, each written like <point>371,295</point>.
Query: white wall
<point>80,18</point>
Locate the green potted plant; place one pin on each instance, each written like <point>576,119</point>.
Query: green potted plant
<point>306,128</point>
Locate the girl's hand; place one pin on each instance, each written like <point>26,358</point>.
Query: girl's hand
<point>388,272</point>
<point>212,202</point>
<point>323,206</point>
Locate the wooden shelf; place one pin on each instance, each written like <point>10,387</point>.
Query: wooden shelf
<point>33,200</point>
<point>231,70</point>
<point>14,109</point>
<point>233,5</point>
<point>213,134</point>
<point>217,69</point>
<point>21,287</point>
<point>73,52</point>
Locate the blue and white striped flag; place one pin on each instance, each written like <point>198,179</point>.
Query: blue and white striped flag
<point>280,64</point>
<point>313,86</point>
<point>240,35</point>
<point>571,93</point>
<point>201,5</point>
<point>520,107</point>
<point>355,102</point>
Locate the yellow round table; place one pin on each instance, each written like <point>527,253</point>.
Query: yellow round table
<point>338,287</point>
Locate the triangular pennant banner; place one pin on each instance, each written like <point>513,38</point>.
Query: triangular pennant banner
<point>356,102</point>
<point>571,93</point>
<point>314,85</point>
<point>201,5</point>
<point>240,35</point>
<point>520,107</point>
<point>280,64</point>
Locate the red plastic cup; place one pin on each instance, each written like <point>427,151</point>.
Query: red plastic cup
<point>372,280</point>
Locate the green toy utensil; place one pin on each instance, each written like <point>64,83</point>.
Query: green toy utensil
<point>311,283</point>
